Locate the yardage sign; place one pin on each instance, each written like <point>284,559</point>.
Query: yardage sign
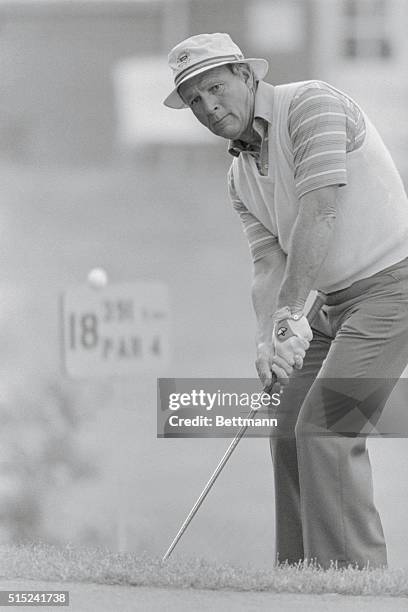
<point>120,329</point>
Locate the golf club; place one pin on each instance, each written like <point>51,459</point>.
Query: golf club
<point>317,304</point>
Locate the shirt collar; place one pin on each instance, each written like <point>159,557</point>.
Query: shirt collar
<point>263,111</point>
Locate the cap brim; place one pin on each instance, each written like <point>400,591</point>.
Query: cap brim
<point>259,66</point>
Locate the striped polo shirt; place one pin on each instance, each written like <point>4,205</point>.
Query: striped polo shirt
<point>323,125</point>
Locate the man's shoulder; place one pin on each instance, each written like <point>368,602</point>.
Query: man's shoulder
<point>304,89</point>
<point>301,90</point>
<point>302,85</point>
<point>313,90</point>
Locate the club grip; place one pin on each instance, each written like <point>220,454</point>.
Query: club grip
<point>316,306</point>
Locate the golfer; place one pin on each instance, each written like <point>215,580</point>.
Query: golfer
<point>323,208</point>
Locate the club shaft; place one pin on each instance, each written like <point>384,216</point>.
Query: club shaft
<point>319,300</point>
<point>209,484</point>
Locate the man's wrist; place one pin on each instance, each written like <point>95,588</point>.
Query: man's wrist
<point>286,312</point>
<point>264,343</point>
<point>287,300</point>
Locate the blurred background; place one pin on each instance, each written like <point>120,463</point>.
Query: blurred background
<point>95,171</point>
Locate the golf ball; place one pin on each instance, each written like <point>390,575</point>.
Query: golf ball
<point>98,278</point>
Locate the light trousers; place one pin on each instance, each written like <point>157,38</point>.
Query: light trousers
<point>323,482</point>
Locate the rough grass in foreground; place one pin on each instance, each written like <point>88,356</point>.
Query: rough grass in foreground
<point>98,565</point>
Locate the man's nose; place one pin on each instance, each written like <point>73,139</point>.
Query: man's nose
<point>211,104</point>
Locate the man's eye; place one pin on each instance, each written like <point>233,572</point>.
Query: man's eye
<point>194,101</point>
<point>217,88</point>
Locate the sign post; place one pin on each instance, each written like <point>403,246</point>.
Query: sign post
<point>114,330</point>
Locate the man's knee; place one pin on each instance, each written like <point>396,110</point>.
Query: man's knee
<point>284,452</point>
<point>310,424</point>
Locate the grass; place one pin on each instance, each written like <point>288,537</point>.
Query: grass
<point>101,566</point>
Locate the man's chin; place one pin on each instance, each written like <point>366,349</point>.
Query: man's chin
<point>226,132</point>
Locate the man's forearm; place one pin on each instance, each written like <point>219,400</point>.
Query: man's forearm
<point>270,362</point>
<point>309,245</point>
<point>265,289</point>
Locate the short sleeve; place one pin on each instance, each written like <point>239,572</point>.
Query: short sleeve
<point>260,240</point>
<point>317,124</point>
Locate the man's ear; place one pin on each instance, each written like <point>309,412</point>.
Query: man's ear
<point>245,72</point>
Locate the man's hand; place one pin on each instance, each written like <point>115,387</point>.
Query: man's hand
<point>291,336</point>
<point>267,363</point>
<point>290,340</point>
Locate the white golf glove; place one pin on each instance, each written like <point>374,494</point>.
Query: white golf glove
<point>291,337</point>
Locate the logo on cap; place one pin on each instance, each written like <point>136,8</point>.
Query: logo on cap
<point>183,59</point>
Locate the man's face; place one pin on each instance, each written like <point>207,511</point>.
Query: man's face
<point>221,100</point>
